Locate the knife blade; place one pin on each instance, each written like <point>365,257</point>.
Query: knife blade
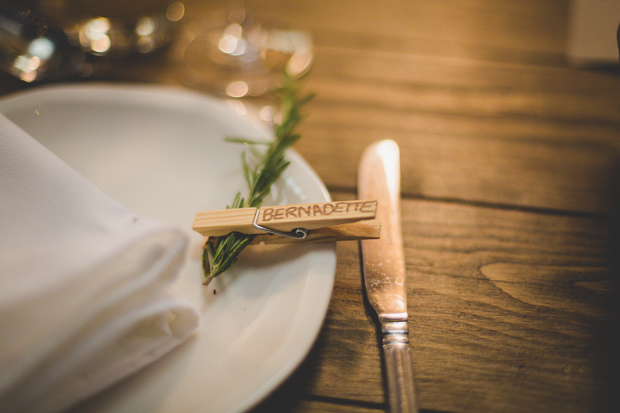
<point>384,269</point>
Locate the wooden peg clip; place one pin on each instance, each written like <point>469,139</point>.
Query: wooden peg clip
<point>318,222</point>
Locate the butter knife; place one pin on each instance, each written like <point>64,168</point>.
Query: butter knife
<point>384,269</point>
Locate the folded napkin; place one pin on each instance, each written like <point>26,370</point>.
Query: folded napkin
<point>85,284</point>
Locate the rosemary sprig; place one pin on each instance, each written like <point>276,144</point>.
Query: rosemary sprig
<point>268,167</point>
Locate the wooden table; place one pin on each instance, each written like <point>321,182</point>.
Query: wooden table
<point>510,175</point>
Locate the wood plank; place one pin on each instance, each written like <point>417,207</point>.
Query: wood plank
<point>455,25</point>
<point>285,403</point>
<point>510,311</point>
<point>480,132</point>
<point>447,26</point>
<point>217,223</point>
<point>524,173</point>
<point>397,81</point>
<point>344,232</point>
<point>512,289</point>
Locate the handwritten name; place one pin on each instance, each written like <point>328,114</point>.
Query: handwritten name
<point>314,210</point>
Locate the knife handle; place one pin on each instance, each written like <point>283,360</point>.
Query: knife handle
<point>401,390</point>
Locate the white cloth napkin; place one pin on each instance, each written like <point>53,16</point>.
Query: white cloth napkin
<point>85,284</point>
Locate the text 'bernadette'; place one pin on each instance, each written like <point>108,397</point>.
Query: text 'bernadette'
<point>317,210</point>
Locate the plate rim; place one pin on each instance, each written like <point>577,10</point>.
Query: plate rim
<point>71,91</point>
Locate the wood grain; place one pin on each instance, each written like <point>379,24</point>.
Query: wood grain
<point>509,163</point>
<point>509,311</point>
<point>448,25</point>
<point>283,218</point>
<point>514,141</point>
<point>370,229</point>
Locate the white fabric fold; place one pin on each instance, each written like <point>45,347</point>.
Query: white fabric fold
<point>85,284</point>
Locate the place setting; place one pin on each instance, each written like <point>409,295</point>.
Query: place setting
<point>109,190</point>
<point>289,206</point>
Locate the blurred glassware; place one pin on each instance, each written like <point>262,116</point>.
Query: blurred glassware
<point>33,50</point>
<point>116,28</point>
<point>240,55</point>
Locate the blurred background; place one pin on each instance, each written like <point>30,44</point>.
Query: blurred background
<point>197,43</point>
<point>426,55</point>
<point>506,111</point>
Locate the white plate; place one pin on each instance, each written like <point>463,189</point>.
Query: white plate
<point>160,152</point>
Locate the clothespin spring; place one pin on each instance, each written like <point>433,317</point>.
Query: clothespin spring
<point>297,233</point>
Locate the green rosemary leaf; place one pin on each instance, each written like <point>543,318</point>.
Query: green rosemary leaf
<point>269,166</point>
<point>246,170</point>
<point>211,248</point>
<point>305,99</point>
<point>235,202</point>
<point>206,265</point>
<point>246,141</point>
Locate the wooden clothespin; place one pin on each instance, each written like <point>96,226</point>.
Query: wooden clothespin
<point>319,222</point>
